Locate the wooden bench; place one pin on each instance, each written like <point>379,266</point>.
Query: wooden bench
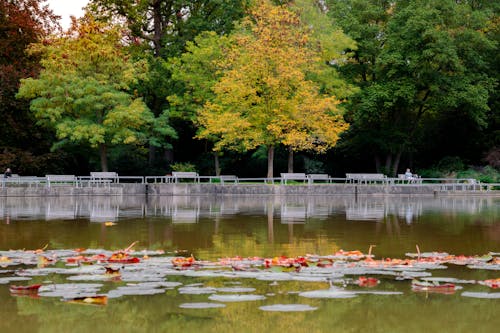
<point>319,176</point>
<point>292,176</point>
<point>176,175</point>
<point>61,180</point>
<point>366,178</point>
<point>228,178</point>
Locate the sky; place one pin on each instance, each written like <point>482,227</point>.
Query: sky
<point>66,8</point>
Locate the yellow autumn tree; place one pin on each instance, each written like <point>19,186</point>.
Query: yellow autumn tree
<point>265,98</point>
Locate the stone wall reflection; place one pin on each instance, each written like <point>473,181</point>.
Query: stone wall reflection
<point>190,209</point>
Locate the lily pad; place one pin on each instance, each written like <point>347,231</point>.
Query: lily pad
<point>6,280</point>
<point>235,298</point>
<point>481,295</point>
<point>288,308</point>
<point>449,280</point>
<point>379,292</point>
<point>328,293</point>
<point>134,291</point>
<point>196,290</point>
<point>69,290</point>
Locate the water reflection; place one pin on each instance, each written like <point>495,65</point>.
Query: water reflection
<point>286,209</point>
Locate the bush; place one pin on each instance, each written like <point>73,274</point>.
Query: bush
<point>187,167</point>
<point>450,164</point>
<point>313,166</point>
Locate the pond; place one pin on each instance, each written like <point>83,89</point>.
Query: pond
<point>251,264</point>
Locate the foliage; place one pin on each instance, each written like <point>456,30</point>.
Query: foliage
<point>22,22</point>
<point>313,166</point>
<point>158,30</point>
<point>83,88</point>
<point>264,97</point>
<point>493,157</point>
<point>484,175</point>
<point>183,167</point>
<point>417,62</point>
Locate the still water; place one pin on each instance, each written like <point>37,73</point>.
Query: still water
<point>210,228</point>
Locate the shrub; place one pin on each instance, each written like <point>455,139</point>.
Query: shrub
<point>186,166</point>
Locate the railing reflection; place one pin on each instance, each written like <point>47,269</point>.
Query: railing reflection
<point>190,209</point>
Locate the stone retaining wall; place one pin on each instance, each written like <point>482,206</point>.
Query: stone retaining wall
<point>62,190</point>
<point>170,189</point>
<point>268,189</point>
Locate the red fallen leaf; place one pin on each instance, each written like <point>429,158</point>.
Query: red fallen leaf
<point>183,261</point>
<point>24,290</point>
<point>77,259</point>
<point>131,260</point>
<point>91,300</point>
<point>445,288</point>
<point>492,283</point>
<point>364,281</point>
<point>349,253</point>
<point>43,261</point>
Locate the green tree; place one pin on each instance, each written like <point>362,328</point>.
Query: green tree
<point>83,89</point>
<point>162,28</point>
<point>264,97</point>
<point>197,71</point>
<point>417,62</point>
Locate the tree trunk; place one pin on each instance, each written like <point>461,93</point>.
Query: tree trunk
<point>378,164</point>
<point>395,165</point>
<point>169,155</point>
<point>157,27</point>
<point>104,157</point>
<point>270,161</point>
<point>217,164</point>
<point>388,163</point>
<point>151,156</point>
<point>290,160</point>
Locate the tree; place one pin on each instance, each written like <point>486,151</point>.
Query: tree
<point>162,28</point>
<point>83,89</point>
<point>417,62</point>
<point>264,97</point>
<point>22,22</point>
<point>198,70</point>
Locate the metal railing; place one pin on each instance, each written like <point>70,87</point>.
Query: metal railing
<point>445,184</point>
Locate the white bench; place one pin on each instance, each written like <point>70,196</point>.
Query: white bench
<point>413,179</point>
<point>292,176</point>
<point>366,178</point>
<point>318,176</point>
<point>176,175</point>
<point>228,178</point>
<point>103,177</point>
<point>61,180</point>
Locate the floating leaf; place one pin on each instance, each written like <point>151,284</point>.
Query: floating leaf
<point>492,283</point>
<point>6,280</point>
<point>481,295</point>
<point>333,292</point>
<point>288,308</point>
<point>90,300</point>
<point>235,298</point>
<point>196,290</point>
<point>25,290</point>
<point>434,287</point>
<point>364,281</point>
